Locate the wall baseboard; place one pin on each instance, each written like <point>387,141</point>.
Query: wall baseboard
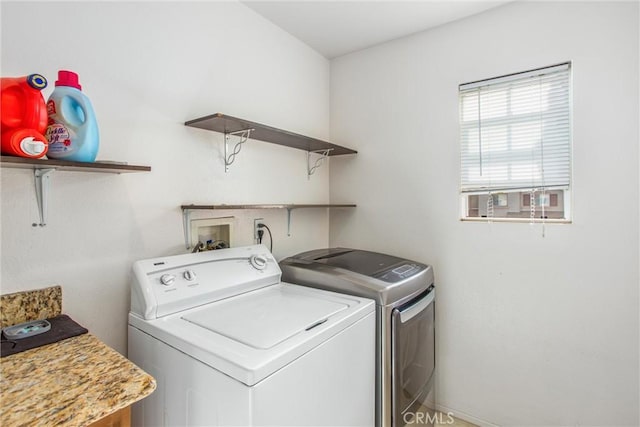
<point>461,415</point>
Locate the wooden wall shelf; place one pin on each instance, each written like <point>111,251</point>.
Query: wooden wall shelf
<point>186,212</point>
<point>64,165</point>
<point>266,206</point>
<point>42,170</point>
<point>227,124</point>
<point>246,129</point>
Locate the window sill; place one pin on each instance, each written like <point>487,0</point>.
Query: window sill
<point>519,220</point>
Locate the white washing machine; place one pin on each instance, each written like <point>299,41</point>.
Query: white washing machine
<point>230,345</point>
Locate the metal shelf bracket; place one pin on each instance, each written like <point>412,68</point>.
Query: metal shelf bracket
<point>289,222</point>
<point>186,221</point>
<point>244,135</point>
<point>324,154</point>
<point>43,189</point>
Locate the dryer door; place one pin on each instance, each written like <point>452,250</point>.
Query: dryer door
<point>413,355</point>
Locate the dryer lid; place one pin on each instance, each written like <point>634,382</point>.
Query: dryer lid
<point>385,278</point>
<point>265,318</point>
<point>363,262</point>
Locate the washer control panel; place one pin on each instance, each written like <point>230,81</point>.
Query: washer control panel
<point>167,285</point>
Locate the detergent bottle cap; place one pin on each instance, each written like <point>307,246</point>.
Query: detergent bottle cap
<point>68,78</point>
<point>37,81</point>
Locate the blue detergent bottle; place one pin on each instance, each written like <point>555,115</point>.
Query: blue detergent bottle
<point>72,129</point>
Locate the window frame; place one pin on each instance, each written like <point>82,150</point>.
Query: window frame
<point>566,191</point>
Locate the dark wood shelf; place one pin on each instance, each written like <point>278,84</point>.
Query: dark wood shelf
<point>64,165</point>
<point>186,212</point>
<point>266,206</point>
<point>43,168</point>
<point>226,124</point>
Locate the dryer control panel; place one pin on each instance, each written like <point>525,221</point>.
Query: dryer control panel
<point>167,285</point>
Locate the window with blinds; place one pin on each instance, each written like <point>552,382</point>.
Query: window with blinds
<point>515,141</point>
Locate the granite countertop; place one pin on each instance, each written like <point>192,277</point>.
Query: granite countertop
<point>73,382</point>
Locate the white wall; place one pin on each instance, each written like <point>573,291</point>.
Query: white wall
<point>532,330</point>
<point>148,67</point>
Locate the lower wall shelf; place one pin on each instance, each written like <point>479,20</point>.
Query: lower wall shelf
<point>186,212</point>
<point>266,206</point>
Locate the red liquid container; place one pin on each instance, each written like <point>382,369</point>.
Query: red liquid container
<point>23,115</point>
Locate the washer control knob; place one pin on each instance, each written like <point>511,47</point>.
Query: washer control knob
<point>167,279</point>
<point>259,262</point>
<point>190,275</point>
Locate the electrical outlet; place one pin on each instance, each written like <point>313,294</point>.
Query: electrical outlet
<point>256,221</point>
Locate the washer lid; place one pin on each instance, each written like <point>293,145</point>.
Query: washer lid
<point>266,318</point>
<point>252,335</point>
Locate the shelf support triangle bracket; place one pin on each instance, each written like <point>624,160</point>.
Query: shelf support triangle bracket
<point>230,155</point>
<point>324,154</point>
<point>43,189</point>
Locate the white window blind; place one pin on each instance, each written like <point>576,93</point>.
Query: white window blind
<point>515,131</point>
